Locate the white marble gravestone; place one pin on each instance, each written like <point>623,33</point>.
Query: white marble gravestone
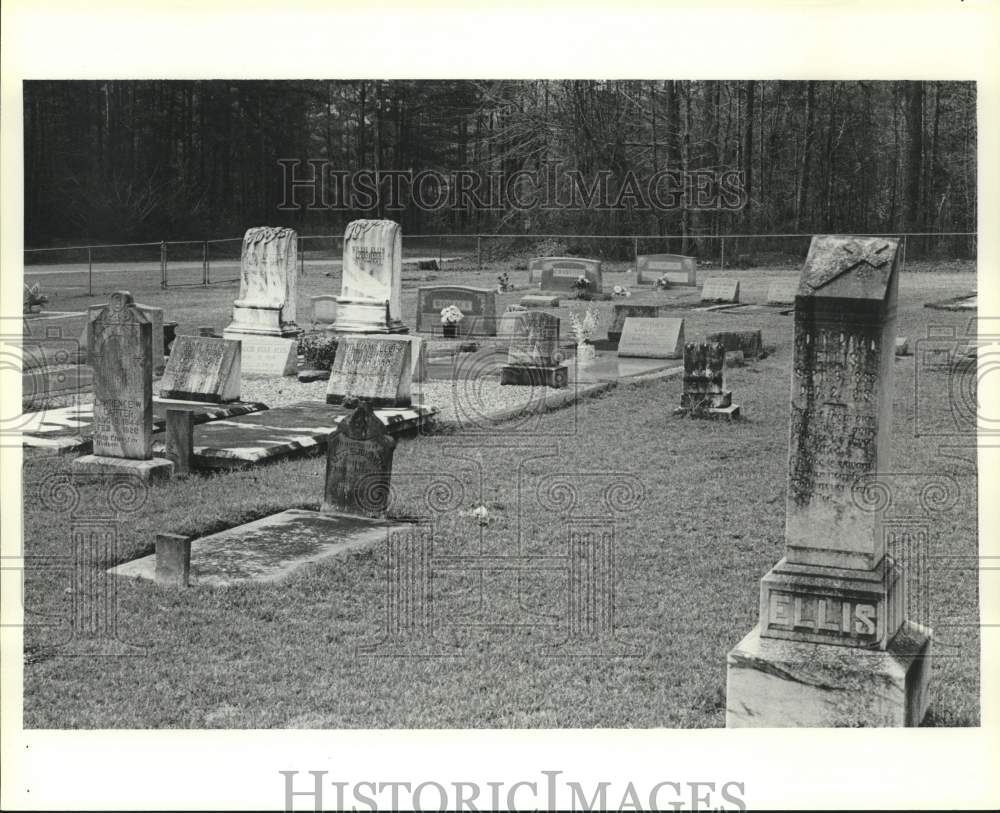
<point>372,283</point>
<point>268,285</point>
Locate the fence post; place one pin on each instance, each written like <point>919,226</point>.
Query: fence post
<point>635,252</point>
<point>440,252</point>
<point>204,263</point>
<point>302,257</point>
<point>90,272</point>
<point>479,252</point>
<point>722,253</point>
<point>163,264</point>
<point>902,263</point>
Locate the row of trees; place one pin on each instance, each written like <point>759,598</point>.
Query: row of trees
<point>117,161</point>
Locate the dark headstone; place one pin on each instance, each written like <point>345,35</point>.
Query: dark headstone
<point>180,440</point>
<point>622,311</point>
<point>359,465</point>
<point>173,560</point>
<point>677,268</point>
<point>705,377</point>
<point>478,306</point>
<point>561,273</point>
<point>121,351</point>
<point>203,369</point>
<point>537,340</point>
<point>750,342</point>
<point>377,368</point>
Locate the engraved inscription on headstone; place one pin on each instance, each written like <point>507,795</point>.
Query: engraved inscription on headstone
<point>478,307</point>
<point>372,282</point>
<point>377,368</point>
<point>359,465</point>
<point>720,289</point>
<point>652,338</point>
<point>537,340</point>
<point>203,369</point>
<point>561,273</point>
<point>268,284</point>
<point>121,345</point>
<point>623,310</point>
<point>677,268</point>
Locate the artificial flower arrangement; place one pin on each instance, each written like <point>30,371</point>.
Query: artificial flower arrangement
<point>450,317</point>
<point>583,328</point>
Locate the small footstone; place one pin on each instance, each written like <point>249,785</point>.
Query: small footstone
<point>539,301</point>
<point>307,376</point>
<point>180,440</point>
<point>173,560</point>
<point>154,470</point>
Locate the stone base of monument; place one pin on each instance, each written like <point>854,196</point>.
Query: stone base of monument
<point>364,317</point>
<point>255,321</point>
<point>555,376</point>
<point>789,684</point>
<point>149,471</point>
<point>265,354</point>
<point>706,400</point>
<point>271,548</point>
<point>727,413</point>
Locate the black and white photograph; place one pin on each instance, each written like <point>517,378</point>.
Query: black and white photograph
<point>398,406</point>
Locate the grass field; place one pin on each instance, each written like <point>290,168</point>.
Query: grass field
<point>689,557</point>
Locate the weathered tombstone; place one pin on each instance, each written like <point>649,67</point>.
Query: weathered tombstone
<point>750,342</point>
<point>121,350</point>
<point>836,586</point>
<point>173,560</point>
<point>155,317</point>
<point>533,356</point>
<point>268,355</point>
<point>782,292</point>
<point>902,346</point>
<point>372,282</point>
<point>677,268</point>
<point>652,338</point>
<point>202,369</point>
<point>508,324</point>
<point>359,465</point>
<point>180,440</point>
<point>268,285</point>
<point>478,307</point>
<point>324,310</point>
<point>561,273</point>
<point>376,368</point>
<point>539,301</point>
<point>704,392</point>
<point>622,311</point>
<point>720,289</point>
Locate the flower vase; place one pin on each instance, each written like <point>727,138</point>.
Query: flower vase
<point>585,353</point>
<point>450,330</point>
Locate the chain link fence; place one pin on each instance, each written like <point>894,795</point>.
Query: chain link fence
<point>191,263</point>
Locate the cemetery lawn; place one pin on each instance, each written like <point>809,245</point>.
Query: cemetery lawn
<point>689,557</point>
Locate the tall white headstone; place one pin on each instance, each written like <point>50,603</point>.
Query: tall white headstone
<point>371,288</point>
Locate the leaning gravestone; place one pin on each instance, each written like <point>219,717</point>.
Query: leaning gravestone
<point>704,392</point>
<point>533,356</point>
<point>652,338</point>
<point>561,273</point>
<point>376,368</point>
<point>372,283</point>
<point>720,289</point>
<point>359,465</point>
<point>155,317</point>
<point>478,307</point>
<point>121,347</point>
<point>202,369</point>
<point>782,292</point>
<point>622,311</point>
<point>833,647</point>
<point>677,268</point>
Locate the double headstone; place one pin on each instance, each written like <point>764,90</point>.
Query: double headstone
<point>359,465</point>
<point>704,390</point>
<point>372,279</point>
<point>533,356</point>
<point>264,314</point>
<point>652,338</point>
<point>562,273</point>
<point>377,368</point>
<point>836,586</point>
<point>121,350</point>
<point>478,307</point>
<point>203,369</point>
<point>678,269</point>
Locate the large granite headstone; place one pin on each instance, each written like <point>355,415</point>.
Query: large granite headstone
<point>377,368</point>
<point>836,586</point>
<point>359,465</point>
<point>720,289</point>
<point>652,338</point>
<point>561,273</point>
<point>622,311</point>
<point>121,351</point>
<point>372,282</point>
<point>478,307</point>
<point>677,268</point>
<point>202,369</point>
<point>534,356</point>
<point>268,284</point>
